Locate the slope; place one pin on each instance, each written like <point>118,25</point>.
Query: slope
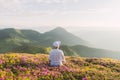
<point>15,40</point>
<point>15,66</point>
<point>11,38</point>
<point>62,35</point>
<point>84,51</point>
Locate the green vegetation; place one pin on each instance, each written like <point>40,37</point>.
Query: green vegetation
<point>18,37</point>
<point>30,41</point>
<point>11,39</point>
<point>84,51</point>
<point>14,66</point>
<point>25,48</point>
<point>61,34</point>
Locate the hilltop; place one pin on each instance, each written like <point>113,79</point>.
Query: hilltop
<point>11,38</point>
<point>14,66</point>
<point>62,35</point>
<point>30,41</point>
<point>17,37</point>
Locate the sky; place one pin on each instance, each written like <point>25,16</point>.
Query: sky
<point>93,20</point>
<point>71,14</point>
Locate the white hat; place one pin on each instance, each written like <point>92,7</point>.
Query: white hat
<point>56,43</point>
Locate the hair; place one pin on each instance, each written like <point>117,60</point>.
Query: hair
<point>56,47</point>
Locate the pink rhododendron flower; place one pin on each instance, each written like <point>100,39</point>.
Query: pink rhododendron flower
<point>1,79</point>
<point>85,78</point>
<point>0,61</point>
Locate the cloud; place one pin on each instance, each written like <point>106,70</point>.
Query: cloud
<point>47,7</point>
<point>32,7</point>
<point>10,7</point>
<point>26,7</point>
<point>57,1</point>
<point>58,12</point>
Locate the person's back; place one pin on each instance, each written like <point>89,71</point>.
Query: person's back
<point>56,56</point>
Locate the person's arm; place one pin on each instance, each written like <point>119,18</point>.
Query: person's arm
<point>49,61</point>
<point>63,58</point>
<point>50,58</point>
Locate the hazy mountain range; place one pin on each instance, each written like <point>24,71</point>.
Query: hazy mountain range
<point>12,40</point>
<point>100,37</point>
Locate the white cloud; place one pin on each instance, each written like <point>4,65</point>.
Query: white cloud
<point>9,3</point>
<point>58,12</point>
<point>10,7</point>
<point>57,1</point>
<point>31,7</point>
<point>25,7</point>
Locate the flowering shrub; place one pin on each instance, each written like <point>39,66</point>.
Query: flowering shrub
<point>16,66</point>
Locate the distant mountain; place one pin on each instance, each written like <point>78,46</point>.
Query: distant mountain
<point>15,40</point>
<point>62,35</point>
<point>11,38</point>
<point>106,39</point>
<point>31,34</point>
<point>84,51</point>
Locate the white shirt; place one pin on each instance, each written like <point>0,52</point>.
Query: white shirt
<point>56,57</point>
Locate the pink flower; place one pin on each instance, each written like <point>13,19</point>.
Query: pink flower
<point>0,61</point>
<point>1,79</point>
<point>44,73</point>
<point>84,78</point>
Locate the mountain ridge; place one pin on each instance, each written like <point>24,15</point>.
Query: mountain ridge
<point>60,34</point>
<point>16,40</point>
<point>11,38</point>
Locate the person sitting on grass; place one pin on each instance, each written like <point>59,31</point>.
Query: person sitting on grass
<point>56,57</point>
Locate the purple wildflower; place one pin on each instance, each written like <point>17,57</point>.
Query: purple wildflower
<point>1,79</point>
<point>85,78</point>
<point>0,61</point>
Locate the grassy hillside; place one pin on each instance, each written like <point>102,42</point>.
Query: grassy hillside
<point>63,35</point>
<point>11,38</point>
<point>14,66</point>
<point>84,51</point>
<point>30,41</point>
<point>78,50</point>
